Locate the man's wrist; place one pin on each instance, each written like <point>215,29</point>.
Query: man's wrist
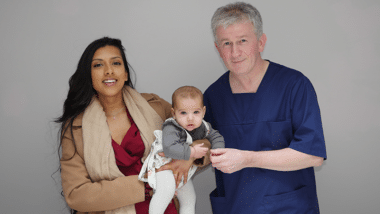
<point>248,158</point>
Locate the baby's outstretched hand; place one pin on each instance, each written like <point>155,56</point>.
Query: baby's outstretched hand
<point>197,151</point>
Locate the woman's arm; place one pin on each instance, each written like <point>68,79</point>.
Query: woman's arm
<point>84,195</point>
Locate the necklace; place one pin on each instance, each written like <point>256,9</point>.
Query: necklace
<point>115,114</point>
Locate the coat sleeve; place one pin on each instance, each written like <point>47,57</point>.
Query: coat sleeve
<point>161,106</point>
<point>81,193</point>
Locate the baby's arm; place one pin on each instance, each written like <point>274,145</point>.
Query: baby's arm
<point>215,138</point>
<point>171,143</point>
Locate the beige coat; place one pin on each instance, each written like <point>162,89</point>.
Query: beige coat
<point>90,197</point>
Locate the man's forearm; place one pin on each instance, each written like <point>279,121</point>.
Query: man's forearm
<point>281,160</point>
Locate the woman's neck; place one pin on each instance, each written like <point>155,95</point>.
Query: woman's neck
<point>111,104</point>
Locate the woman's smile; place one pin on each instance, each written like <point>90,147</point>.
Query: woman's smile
<point>110,82</point>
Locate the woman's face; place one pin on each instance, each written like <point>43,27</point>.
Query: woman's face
<point>108,72</point>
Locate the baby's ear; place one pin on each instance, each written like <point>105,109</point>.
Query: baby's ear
<point>172,110</point>
<point>204,110</point>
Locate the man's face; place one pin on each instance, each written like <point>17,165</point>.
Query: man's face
<point>239,48</point>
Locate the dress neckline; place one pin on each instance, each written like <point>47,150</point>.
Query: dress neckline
<point>128,133</point>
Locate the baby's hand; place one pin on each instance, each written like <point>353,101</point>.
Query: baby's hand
<point>198,151</point>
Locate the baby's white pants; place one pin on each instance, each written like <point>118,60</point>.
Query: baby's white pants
<point>164,193</point>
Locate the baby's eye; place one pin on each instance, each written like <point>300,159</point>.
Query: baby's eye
<point>196,112</point>
<point>183,112</point>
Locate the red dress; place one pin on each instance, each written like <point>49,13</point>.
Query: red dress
<point>128,159</point>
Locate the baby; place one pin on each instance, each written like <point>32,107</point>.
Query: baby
<point>178,133</point>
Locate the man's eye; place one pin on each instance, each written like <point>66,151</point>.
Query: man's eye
<point>243,40</point>
<point>227,43</point>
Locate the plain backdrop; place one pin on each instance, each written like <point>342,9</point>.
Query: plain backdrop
<point>169,44</point>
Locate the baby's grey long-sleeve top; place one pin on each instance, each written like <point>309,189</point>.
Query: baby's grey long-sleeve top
<point>174,139</point>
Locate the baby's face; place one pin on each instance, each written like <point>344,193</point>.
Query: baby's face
<point>189,113</point>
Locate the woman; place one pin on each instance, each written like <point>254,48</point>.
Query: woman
<point>106,132</point>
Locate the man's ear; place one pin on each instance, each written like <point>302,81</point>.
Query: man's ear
<point>262,42</point>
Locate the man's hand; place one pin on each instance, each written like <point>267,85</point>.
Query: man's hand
<point>227,160</point>
<point>180,169</point>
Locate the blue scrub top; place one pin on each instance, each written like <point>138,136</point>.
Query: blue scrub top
<point>283,113</point>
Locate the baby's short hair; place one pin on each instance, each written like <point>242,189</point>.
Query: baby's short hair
<point>186,92</point>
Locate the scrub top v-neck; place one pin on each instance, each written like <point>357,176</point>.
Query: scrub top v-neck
<point>283,113</point>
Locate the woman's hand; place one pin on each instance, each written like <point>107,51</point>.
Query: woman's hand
<point>180,168</point>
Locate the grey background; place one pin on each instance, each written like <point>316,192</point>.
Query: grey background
<point>169,44</point>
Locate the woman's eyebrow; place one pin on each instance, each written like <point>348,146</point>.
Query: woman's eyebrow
<point>111,58</point>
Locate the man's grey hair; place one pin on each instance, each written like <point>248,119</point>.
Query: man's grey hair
<point>234,13</point>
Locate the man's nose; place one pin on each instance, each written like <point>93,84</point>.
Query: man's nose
<point>235,51</point>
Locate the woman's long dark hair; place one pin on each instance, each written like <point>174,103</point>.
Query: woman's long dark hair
<point>81,90</point>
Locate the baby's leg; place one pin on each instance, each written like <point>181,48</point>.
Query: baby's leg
<point>164,192</point>
<point>186,197</point>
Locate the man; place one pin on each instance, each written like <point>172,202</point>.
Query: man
<point>270,119</point>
